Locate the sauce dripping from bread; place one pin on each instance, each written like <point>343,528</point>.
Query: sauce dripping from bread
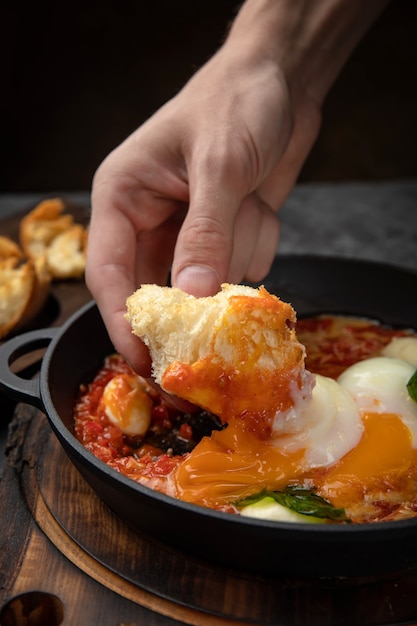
<point>246,396</point>
<point>246,375</point>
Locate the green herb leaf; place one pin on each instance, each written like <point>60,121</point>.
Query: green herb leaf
<point>299,500</point>
<point>412,387</point>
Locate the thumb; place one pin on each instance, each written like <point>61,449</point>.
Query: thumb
<point>205,242</point>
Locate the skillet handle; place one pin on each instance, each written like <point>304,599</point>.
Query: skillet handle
<point>19,388</point>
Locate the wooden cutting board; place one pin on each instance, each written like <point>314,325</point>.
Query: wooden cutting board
<point>65,558</point>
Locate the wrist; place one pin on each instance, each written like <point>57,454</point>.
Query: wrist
<point>309,41</point>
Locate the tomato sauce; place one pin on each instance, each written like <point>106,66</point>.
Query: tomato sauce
<point>171,433</point>
<point>335,342</point>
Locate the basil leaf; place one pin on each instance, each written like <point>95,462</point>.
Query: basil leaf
<point>412,387</point>
<point>299,500</point>
<point>254,498</point>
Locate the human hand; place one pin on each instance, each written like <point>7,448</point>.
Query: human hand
<point>196,189</point>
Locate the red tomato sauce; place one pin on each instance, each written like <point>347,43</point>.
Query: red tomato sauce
<point>335,342</point>
<point>152,456</point>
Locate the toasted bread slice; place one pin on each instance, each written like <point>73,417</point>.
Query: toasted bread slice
<point>41,225</point>
<point>46,231</point>
<point>66,255</point>
<point>9,249</point>
<point>16,287</point>
<point>24,287</point>
<point>40,292</point>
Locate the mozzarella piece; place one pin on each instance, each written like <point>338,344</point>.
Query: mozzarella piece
<point>127,404</point>
<point>268,509</point>
<point>379,385</point>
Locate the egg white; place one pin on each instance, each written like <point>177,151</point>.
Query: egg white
<point>404,348</point>
<point>327,424</point>
<point>379,385</point>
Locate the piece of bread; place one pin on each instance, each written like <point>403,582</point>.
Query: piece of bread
<point>66,254</point>
<point>47,231</point>
<point>52,247</point>
<point>41,225</point>
<point>234,354</point>
<point>24,287</point>
<point>16,286</point>
<point>9,249</point>
<point>22,294</point>
<point>40,291</point>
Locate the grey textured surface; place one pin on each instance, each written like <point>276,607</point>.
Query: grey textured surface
<point>375,221</point>
<point>11,203</point>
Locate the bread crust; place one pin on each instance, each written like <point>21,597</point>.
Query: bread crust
<point>66,254</point>
<point>9,249</point>
<point>24,287</point>
<point>47,232</point>
<point>52,247</point>
<point>16,286</point>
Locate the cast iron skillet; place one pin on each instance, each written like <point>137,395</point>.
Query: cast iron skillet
<point>313,285</point>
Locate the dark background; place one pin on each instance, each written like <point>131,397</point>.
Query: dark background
<point>78,77</point>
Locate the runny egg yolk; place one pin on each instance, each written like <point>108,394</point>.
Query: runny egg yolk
<point>234,463</point>
<point>318,428</point>
<point>382,462</point>
<point>381,459</point>
<point>231,464</point>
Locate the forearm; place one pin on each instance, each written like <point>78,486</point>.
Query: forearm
<point>309,40</point>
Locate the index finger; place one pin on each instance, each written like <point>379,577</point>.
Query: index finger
<point>110,276</point>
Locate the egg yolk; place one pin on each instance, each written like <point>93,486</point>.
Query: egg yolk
<point>234,463</point>
<point>382,458</point>
<point>231,464</point>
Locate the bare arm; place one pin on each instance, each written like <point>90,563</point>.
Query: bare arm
<point>197,187</point>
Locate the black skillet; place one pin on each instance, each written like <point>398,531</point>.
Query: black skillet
<point>312,285</point>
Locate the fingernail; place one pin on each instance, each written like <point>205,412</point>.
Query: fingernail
<point>198,280</point>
